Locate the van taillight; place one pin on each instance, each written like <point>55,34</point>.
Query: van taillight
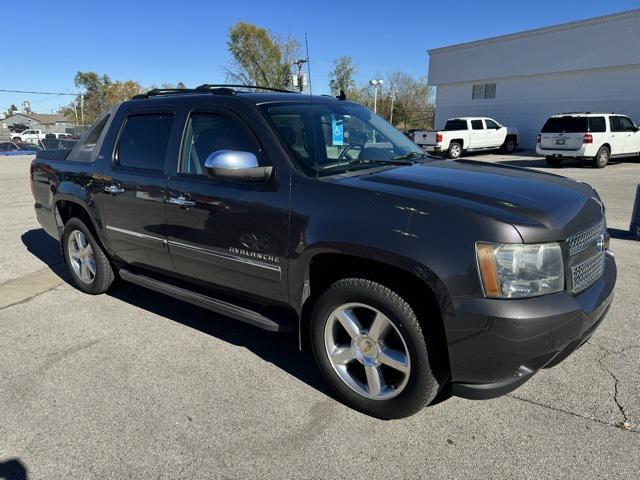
<point>438,137</point>
<point>588,138</point>
<point>539,137</point>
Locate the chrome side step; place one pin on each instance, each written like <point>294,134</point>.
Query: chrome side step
<point>215,305</point>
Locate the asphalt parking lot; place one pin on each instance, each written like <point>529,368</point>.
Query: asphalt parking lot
<point>137,385</point>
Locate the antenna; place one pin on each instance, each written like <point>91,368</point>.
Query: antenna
<point>306,43</point>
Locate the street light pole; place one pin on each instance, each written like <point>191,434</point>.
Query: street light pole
<point>393,99</point>
<point>377,84</point>
<point>300,76</point>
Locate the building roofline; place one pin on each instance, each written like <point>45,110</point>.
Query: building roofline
<point>540,31</point>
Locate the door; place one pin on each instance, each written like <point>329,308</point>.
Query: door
<point>477,134</point>
<point>223,233</point>
<point>134,189</point>
<point>618,135</point>
<point>495,133</point>
<point>631,137</point>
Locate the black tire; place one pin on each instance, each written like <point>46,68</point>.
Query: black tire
<point>602,157</point>
<point>422,384</point>
<point>554,162</point>
<point>509,145</point>
<point>16,139</point>
<point>455,150</point>
<point>104,275</point>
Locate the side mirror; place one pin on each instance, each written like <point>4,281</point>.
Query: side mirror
<point>235,165</point>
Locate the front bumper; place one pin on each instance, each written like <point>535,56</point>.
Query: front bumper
<point>496,345</point>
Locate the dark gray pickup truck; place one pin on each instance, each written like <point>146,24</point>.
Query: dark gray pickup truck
<point>407,277</point>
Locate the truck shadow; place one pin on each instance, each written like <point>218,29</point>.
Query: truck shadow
<point>280,349</point>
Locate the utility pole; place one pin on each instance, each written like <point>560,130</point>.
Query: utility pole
<point>377,85</point>
<point>299,79</point>
<point>82,107</point>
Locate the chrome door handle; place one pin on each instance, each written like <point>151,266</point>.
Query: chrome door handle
<point>182,200</point>
<point>113,189</point>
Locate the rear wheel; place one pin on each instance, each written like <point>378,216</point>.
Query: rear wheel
<point>17,139</point>
<point>455,150</point>
<point>370,348</point>
<point>553,161</point>
<point>88,265</point>
<point>602,158</point>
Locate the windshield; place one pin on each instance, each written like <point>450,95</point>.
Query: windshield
<point>334,138</point>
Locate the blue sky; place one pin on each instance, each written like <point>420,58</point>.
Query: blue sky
<point>157,41</point>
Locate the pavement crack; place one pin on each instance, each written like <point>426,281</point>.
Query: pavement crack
<point>625,424</point>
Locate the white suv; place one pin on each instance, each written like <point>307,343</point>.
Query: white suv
<point>593,136</point>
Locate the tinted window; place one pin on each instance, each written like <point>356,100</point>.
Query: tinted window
<point>85,151</point>
<point>566,124</point>
<point>143,141</point>
<point>476,124</point>
<point>491,124</point>
<point>597,124</point>
<point>207,133</point>
<point>627,125</point>
<point>455,125</point>
<point>616,124</point>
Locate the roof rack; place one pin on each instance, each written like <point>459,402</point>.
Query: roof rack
<point>215,89</point>
<point>209,86</point>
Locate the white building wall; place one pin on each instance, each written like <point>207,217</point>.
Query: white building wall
<point>526,102</point>
<point>589,65</point>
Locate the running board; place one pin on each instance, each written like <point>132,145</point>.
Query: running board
<point>215,305</point>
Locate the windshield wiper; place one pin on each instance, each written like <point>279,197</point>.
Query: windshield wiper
<point>409,155</point>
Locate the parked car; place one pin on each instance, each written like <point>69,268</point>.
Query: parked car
<point>470,134</point>
<point>12,148</point>
<point>29,136</point>
<point>406,276</point>
<point>596,137</point>
<point>58,143</point>
<point>58,135</point>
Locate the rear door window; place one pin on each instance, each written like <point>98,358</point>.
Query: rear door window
<point>143,142</point>
<point>616,124</point>
<point>597,124</point>
<point>476,124</point>
<point>453,125</point>
<point>566,124</point>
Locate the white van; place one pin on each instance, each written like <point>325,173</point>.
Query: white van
<point>593,136</point>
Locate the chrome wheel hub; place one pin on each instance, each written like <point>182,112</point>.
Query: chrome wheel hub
<point>81,257</point>
<point>367,351</point>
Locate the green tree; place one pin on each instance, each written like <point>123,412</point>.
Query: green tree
<point>94,101</point>
<point>11,110</point>
<point>341,78</point>
<point>259,57</point>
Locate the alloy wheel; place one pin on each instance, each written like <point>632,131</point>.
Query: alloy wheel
<point>367,351</point>
<point>81,257</point>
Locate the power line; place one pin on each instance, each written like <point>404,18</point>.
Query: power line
<point>39,93</point>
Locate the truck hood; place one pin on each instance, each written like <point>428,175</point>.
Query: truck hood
<point>541,206</point>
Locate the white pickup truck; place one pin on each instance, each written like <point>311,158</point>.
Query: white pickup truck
<point>468,133</point>
<point>28,136</point>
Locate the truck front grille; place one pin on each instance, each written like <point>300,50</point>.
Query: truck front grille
<point>585,238</point>
<point>586,273</point>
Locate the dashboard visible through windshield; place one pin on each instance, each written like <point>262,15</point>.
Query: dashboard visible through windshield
<point>329,139</point>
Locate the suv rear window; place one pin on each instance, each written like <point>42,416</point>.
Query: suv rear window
<point>455,125</point>
<point>566,125</point>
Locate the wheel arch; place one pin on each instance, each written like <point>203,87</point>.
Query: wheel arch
<point>67,208</point>
<point>419,285</point>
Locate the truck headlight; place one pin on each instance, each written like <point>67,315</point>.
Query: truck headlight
<point>520,270</point>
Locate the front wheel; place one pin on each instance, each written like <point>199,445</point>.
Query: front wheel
<point>88,265</point>
<point>602,158</point>
<point>370,348</point>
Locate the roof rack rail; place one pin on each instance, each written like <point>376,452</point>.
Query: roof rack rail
<point>209,86</point>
